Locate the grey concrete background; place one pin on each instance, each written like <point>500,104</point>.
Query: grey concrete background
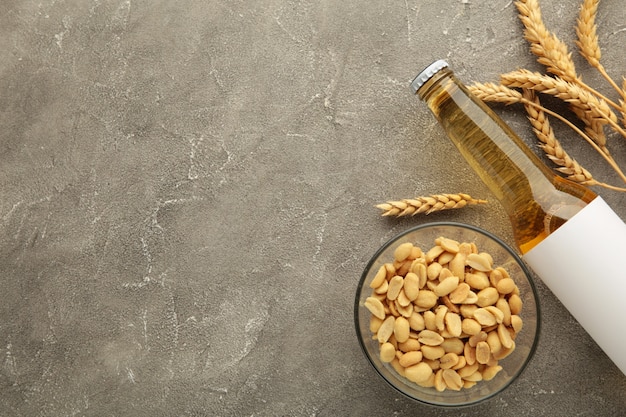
<point>187,191</point>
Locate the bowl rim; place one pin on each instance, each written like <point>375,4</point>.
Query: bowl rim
<point>476,229</point>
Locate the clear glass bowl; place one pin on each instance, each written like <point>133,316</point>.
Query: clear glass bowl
<point>424,236</point>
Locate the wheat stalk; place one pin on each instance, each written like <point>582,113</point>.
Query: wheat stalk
<point>427,204</point>
<point>623,102</point>
<point>588,45</point>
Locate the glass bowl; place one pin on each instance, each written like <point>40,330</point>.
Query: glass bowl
<point>525,341</point>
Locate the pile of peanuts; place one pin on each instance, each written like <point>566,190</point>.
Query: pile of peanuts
<point>446,317</point>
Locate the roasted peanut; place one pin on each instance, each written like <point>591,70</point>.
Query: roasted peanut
<point>446,286</point>
<point>380,276</point>
<point>395,285</point>
<point>453,345</point>
<point>411,358</point>
<point>516,323</point>
<point>430,338</point>
<point>403,251</point>
<point>426,299</point>
<point>448,360</point>
<point>416,322</point>
<point>460,293</point>
<point>387,352</point>
<point>449,245</point>
<point>453,324</point>
<point>401,329</point>
<point>433,253</point>
<point>479,262</point>
<point>433,352</point>
<point>483,352</point>
<point>506,286</point>
<point>515,303</point>
<point>433,270</point>
<point>375,307</point>
<point>470,326</point>
<point>411,286</point>
<point>452,379</point>
<point>484,317</point>
<point>477,280</point>
<point>386,329</point>
<point>486,297</point>
<point>409,346</point>
<point>418,373</point>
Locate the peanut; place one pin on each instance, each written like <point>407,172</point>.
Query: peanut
<point>448,360</point>
<point>395,285</point>
<point>452,379</point>
<point>433,253</point>
<point>448,245</point>
<point>516,323</point>
<point>386,329</point>
<point>401,329</point>
<point>479,262</point>
<point>506,286</point>
<point>418,373</point>
<point>484,317</point>
<point>453,324</point>
<point>433,270</point>
<point>446,286</point>
<point>380,276</point>
<point>403,251</point>
<point>411,286</point>
<point>486,297</point>
<point>460,293</point>
<point>430,338</point>
<point>483,352</point>
<point>490,372</point>
<point>409,345</point>
<point>411,358</point>
<point>515,304</point>
<point>457,264</point>
<point>433,352</point>
<point>477,280</point>
<point>387,352</point>
<point>426,299</point>
<point>416,322</point>
<point>505,336</point>
<point>375,307</point>
<point>453,345</point>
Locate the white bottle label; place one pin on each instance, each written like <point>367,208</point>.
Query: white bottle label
<point>584,264</point>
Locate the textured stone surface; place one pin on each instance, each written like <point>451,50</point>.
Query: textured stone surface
<point>187,191</point>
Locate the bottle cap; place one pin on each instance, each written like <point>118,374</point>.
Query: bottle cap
<point>425,75</point>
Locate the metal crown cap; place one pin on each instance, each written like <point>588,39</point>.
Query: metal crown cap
<point>425,75</point>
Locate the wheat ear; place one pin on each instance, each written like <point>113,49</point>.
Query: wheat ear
<point>550,51</point>
<point>586,31</point>
<point>427,204</point>
<point>490,92</point>
<point>549,143</point>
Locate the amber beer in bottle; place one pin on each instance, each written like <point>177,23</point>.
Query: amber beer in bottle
<point>565,232</point>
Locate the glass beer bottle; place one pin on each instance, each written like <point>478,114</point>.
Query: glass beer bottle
<point>565,232</point>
